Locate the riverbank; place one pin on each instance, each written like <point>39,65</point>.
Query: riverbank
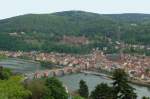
<point>137,82</point>
<point>140,83</point>
<point>3,57</point>
<point>97,74</point>
<point>72,83</point>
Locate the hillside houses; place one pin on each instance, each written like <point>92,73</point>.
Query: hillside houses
<point>75,40</point>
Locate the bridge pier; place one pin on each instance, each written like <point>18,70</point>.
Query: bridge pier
<point>53,74</point>
<point>45,74</point>
<point>59,72</point>
<point>37,75</point>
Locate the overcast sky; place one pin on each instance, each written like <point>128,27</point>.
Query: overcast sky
<point>9,8</point>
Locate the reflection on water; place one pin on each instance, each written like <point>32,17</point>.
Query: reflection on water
<point>20,65</point>
<point>72,81</point>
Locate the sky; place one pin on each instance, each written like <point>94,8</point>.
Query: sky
<point>10,8</point>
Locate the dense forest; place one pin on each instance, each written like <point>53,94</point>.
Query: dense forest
<point>45,32</point>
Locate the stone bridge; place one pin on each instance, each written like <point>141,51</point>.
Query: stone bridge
<point>58,72</point>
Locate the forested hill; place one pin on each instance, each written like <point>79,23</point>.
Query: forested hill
<point>130,17</point>
<point>45,32</point>
<point>59,23</point>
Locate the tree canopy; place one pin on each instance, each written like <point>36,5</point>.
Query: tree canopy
<point>55,89</point>
<point>121,87</point>
<point>13,89</point>
<point>83,89</point>
<point>4,73</point>
<point>102,91</point>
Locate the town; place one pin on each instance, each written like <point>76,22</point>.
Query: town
<point>136,66</point>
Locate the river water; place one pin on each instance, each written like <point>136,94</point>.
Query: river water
<point>21,65</point>
<point>72,82</point>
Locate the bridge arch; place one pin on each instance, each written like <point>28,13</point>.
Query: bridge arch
<point>45,74</point>
<point>69,70</point>
<point>53,74</point>
<point>60,73</point>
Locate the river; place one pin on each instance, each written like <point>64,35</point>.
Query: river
<point>20,65</point>
<point>72,82</point>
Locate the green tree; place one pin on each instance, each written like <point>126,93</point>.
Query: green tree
<point>77,97</point>
<point>4,73</point>
<point>13,89</point>
<point>48,95</point>
<point>55,89</point>
<point>145,97</point>
<point>102,91</point>
<point>121,88</point>
<point>83,90</point>
<point>37,88</point>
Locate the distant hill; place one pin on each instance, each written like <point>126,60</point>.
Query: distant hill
<point>130,17</point>
<point>71,22</point>
<point>45,32</point>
